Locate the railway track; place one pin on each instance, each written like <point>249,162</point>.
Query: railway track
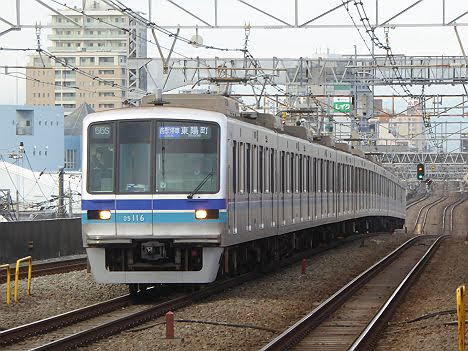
<point>48,268</point>
<point>86,325</point>
<point>423,212</point>
<point>350,319</point>
<point>415,202</point>
<point>447,217</point>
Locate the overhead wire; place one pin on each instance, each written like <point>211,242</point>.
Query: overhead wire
<point>124,9</point>
<point>29,78</point>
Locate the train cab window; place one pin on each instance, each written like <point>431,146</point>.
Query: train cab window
<point>187,157</point>
<point>134,147</point>
<point>101,158</point>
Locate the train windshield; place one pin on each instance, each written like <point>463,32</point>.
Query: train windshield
<point>186,153</point>
<point>101,158</point>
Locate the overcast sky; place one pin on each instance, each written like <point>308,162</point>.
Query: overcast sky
<point>262,43</point>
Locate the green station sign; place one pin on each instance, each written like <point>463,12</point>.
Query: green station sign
<point>342,106</point>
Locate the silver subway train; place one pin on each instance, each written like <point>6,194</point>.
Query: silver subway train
<point>176,195</point>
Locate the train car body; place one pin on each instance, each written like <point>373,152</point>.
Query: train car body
<point>168,190</point>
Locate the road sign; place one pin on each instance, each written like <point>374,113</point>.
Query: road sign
<point>342,106</point>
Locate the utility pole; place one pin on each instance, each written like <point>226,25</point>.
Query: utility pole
<point>70,201</point>
<point>17,205</point>
<point>61,206</point>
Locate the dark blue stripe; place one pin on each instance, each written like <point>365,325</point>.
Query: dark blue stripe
<point>186,204</point>
<point>161,204</point>
<point>98,204</point>
<point>134,204</point>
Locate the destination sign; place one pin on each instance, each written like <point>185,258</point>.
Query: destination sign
<point>185,132</point>
<point>101,131</point>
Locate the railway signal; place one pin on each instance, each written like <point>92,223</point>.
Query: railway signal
<point>420,171</point>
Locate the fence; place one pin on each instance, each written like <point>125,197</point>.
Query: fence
<point>42,239</point>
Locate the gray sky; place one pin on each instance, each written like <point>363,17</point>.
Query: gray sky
<point>262,43</point>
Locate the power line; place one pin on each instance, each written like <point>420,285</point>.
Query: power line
<point>29,78</point>
<point>121,7</point>
<point>82,12</point>
<point>64,63</point>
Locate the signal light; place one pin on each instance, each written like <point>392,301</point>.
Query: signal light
<point>420,171</point>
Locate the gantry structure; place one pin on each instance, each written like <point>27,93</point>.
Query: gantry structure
<point>306,88</point>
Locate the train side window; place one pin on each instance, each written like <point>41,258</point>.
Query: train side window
<point>266,170</point>
<point>283,172</point>
<point>299,184</point>
<point>291,173</point>
<point>248,168</point>
<point>260,169</point>
<point>307,187</point>
<point>241,166</point>
<point>314,171</point>
<point>234,167</point>
<point>272,170</point>
<point>254,168</point>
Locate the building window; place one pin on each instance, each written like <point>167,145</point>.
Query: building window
<point>70,159</point>
<point>106,105</point>
<point>24,122</point>
<point>106,71</point>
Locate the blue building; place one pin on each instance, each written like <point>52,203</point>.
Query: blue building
<point>73,126</point>
<point>39,129</point>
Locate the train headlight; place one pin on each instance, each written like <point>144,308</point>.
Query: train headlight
<point>104,214</point>
<point>201,214</point>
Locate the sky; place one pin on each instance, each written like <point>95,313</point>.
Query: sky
<point>262,42</point>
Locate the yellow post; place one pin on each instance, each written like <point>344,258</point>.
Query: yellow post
<point>461,294</point>
<point>29,259</point>
<point>8,287</point>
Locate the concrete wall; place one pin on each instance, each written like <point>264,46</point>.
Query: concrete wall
<point>49,239</point>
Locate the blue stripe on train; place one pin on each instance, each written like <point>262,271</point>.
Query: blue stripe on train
<point>160,204</point>
<point>164,217</point>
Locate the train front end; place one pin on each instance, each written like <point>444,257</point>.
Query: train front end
<point>153,198</point>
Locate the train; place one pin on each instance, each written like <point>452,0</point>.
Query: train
<point>175,195</point>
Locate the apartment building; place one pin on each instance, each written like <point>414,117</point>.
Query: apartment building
<point>97,43</point>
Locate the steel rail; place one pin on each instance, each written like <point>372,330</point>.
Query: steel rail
<point>106,329</point>
<point>411,204</point>
<point>442,198</point>
<point>300,329</point>
<point>452,206</point>
<point>365,339</point>
<point>435,203</point>
<point>46,325</point>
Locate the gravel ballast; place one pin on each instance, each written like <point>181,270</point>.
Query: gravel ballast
<point>274,302</point>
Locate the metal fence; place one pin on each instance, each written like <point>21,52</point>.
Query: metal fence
<point>42,239</point>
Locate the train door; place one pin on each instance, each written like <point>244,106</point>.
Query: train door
<point>283,188</point>
<point>261,186</point>
<point>292,188</point>
<point>232,178</point>
<point>134,199</point>
<point>274,188</point>
<point>254,195</point>
<point>248,184</point>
